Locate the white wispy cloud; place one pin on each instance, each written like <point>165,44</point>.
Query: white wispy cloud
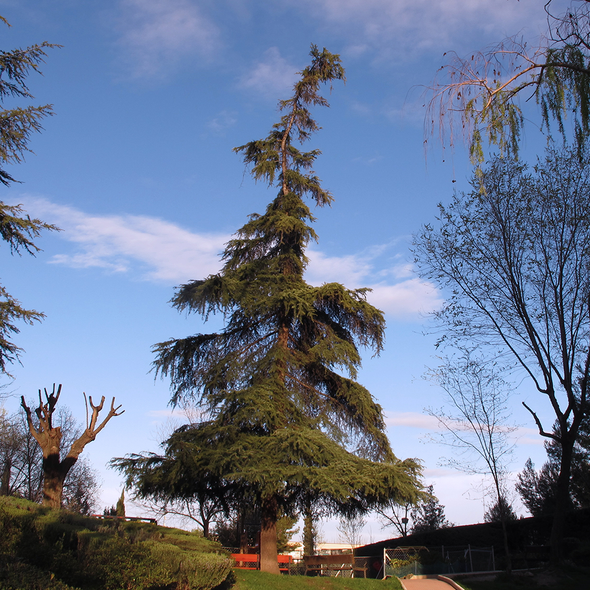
<point>162,251</point>
<point>411,420</point>
<point>424,421</point>
<point>394,288</point>
<point>223,121</point>
<point>406,299</point>
<point>410,26</point>
<point>271,76</point>
<point>350,269</point>
<point>157,35</point>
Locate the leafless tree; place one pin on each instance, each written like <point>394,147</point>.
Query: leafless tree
<point>21,461</point>
<point>475,423</point>
<point>50,438</point>
<point>513,258</point>
<point>351,528</point>
<point>397,516</point>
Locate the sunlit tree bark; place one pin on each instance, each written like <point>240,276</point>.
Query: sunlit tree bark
<point>49,438</point>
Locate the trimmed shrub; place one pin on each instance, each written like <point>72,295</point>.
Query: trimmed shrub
<point>15,575</point>
<point>117,563</point>
<point>57,550</point>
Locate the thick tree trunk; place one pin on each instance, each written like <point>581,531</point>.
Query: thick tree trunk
<point>268,536</point>
<point>6,472</point>
<point>562,496</point>
<point>308,530</point>
<point>53,481</point>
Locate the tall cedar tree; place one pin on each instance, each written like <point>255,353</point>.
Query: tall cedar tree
<point>279,415</point>
<point>16,227</point>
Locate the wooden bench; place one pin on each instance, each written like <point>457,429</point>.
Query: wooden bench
<point>246,561</point>
<point>251,561</point>
<point>328,564</point>
<point>345,562</point>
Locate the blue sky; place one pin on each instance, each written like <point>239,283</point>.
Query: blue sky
<point>137,168</point>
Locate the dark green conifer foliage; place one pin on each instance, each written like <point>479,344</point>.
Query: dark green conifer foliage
<point>16,227</point>
<point>120,508</point>
<point>282,422</point>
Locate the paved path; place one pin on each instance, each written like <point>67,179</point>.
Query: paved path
<point>425,584</point>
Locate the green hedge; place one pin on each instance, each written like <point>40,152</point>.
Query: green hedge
<point>57,550</point>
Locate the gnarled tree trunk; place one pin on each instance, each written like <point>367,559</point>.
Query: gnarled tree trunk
<point>55,470</point>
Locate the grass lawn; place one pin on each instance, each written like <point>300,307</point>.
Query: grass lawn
<point>253,580</point>
<point>571,579</point>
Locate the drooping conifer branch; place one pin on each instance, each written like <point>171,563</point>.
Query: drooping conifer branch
<point>17,124</point>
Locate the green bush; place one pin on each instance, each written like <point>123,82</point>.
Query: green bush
<point>57,550</point>
<point>192,571</point>
<point>11,527</point>
<point>15,575</point>
<point>122,563</point>
<point>203,571</point>
<point>118,563</point>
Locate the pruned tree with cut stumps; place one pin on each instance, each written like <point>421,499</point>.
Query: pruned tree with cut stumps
<point>21,460</point>
<point>49,437</point>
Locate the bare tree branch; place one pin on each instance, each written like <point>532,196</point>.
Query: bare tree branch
<point>479,95</point>
<point>49,438</point>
